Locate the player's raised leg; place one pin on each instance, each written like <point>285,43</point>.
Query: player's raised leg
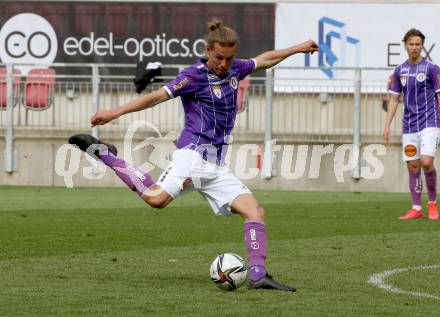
<point>140,182</point>
<point>256,243</point>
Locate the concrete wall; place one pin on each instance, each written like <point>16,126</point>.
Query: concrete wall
<point>37,160</point>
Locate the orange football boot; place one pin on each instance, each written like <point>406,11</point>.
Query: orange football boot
<point>433,211</point>
<point>412,214</point>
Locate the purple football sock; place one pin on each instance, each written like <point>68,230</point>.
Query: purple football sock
<point>257,272</point>
<point>256,244</point>
<point>134,178</point>
<point>431,184</point>
<point>415,187</point>
<point>108,158</point>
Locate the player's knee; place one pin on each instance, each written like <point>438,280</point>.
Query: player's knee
<point>427,163</point>
<point>414,166</point>
<point>155,201</point>
<point>261,211</point>
<point>257,214</point>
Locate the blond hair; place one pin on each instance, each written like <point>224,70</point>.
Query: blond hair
<point>223,35</point>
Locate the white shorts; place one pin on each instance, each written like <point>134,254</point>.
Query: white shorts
<point>421,143</point>
<point>216,183</point>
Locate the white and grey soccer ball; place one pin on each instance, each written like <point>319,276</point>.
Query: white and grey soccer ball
<point>228,271</point>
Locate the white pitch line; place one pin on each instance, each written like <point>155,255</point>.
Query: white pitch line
<point>378,280</point>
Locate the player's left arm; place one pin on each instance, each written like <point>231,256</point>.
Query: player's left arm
<point>271,58</point>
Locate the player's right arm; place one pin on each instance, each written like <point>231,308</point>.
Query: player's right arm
<point>394,90</point>
<point>393,103</point>
<point>186,82</point>
<point>138,104</point>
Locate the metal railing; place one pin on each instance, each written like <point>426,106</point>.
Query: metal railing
<point>297,107</point>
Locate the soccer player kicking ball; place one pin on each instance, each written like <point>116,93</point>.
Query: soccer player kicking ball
<point>208,90</point>
<point>419,80</point>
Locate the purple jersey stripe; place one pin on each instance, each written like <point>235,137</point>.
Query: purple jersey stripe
<point>419,84</point>
<point>209,103</point>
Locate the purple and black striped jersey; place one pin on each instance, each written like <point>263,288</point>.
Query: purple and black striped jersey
<point>419,84</point>
<point>209,102</point>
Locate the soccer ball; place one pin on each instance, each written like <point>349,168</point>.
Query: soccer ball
<point>228,271</point>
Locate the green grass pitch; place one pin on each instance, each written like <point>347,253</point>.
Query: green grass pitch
<point>103,252</point>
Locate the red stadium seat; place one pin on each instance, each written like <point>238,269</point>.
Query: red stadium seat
<point>184,20</point>
<point>39,88</point>
<point>118,19</point>
<point>87,19</point>
<point>258,20</point>
<point>145,26</point>
<point>242,95</point>
<point>223,13</point>
<point>3,88</point>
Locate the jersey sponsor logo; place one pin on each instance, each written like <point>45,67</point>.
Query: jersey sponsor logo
<point>217,91</point>
<point>403,80</point>
<point>410,150</point>
<point>181,84</point>
<point>212,77</point>
<point>219,82</point>
<point>234,82</point>
<point>404,71</point>
<point>421,77</point>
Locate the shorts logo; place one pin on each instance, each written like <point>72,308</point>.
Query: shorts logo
<point>217,91</point>
<point>255,245</point>
<point>234,83</point>
<point>410,150</point>
<point>403,80</point>
<point>421,77</point>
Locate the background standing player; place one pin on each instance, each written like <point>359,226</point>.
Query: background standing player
<point>208,90</point>
<point>419,81</point>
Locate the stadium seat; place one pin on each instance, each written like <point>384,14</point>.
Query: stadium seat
<point>145,25</point>
<point>118,19</point>
<point>3,88</point>
<point>242,95</point>
<point>225,13</point>
<point>257,20</point>
<point>184,20</point>
<point>39,88</point>
<point>87,18</point>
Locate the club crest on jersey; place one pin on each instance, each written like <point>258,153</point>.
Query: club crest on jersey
<point>420,77</point>
<point>403,80</point>
<point>234,82</point>
<point>217,91</point>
